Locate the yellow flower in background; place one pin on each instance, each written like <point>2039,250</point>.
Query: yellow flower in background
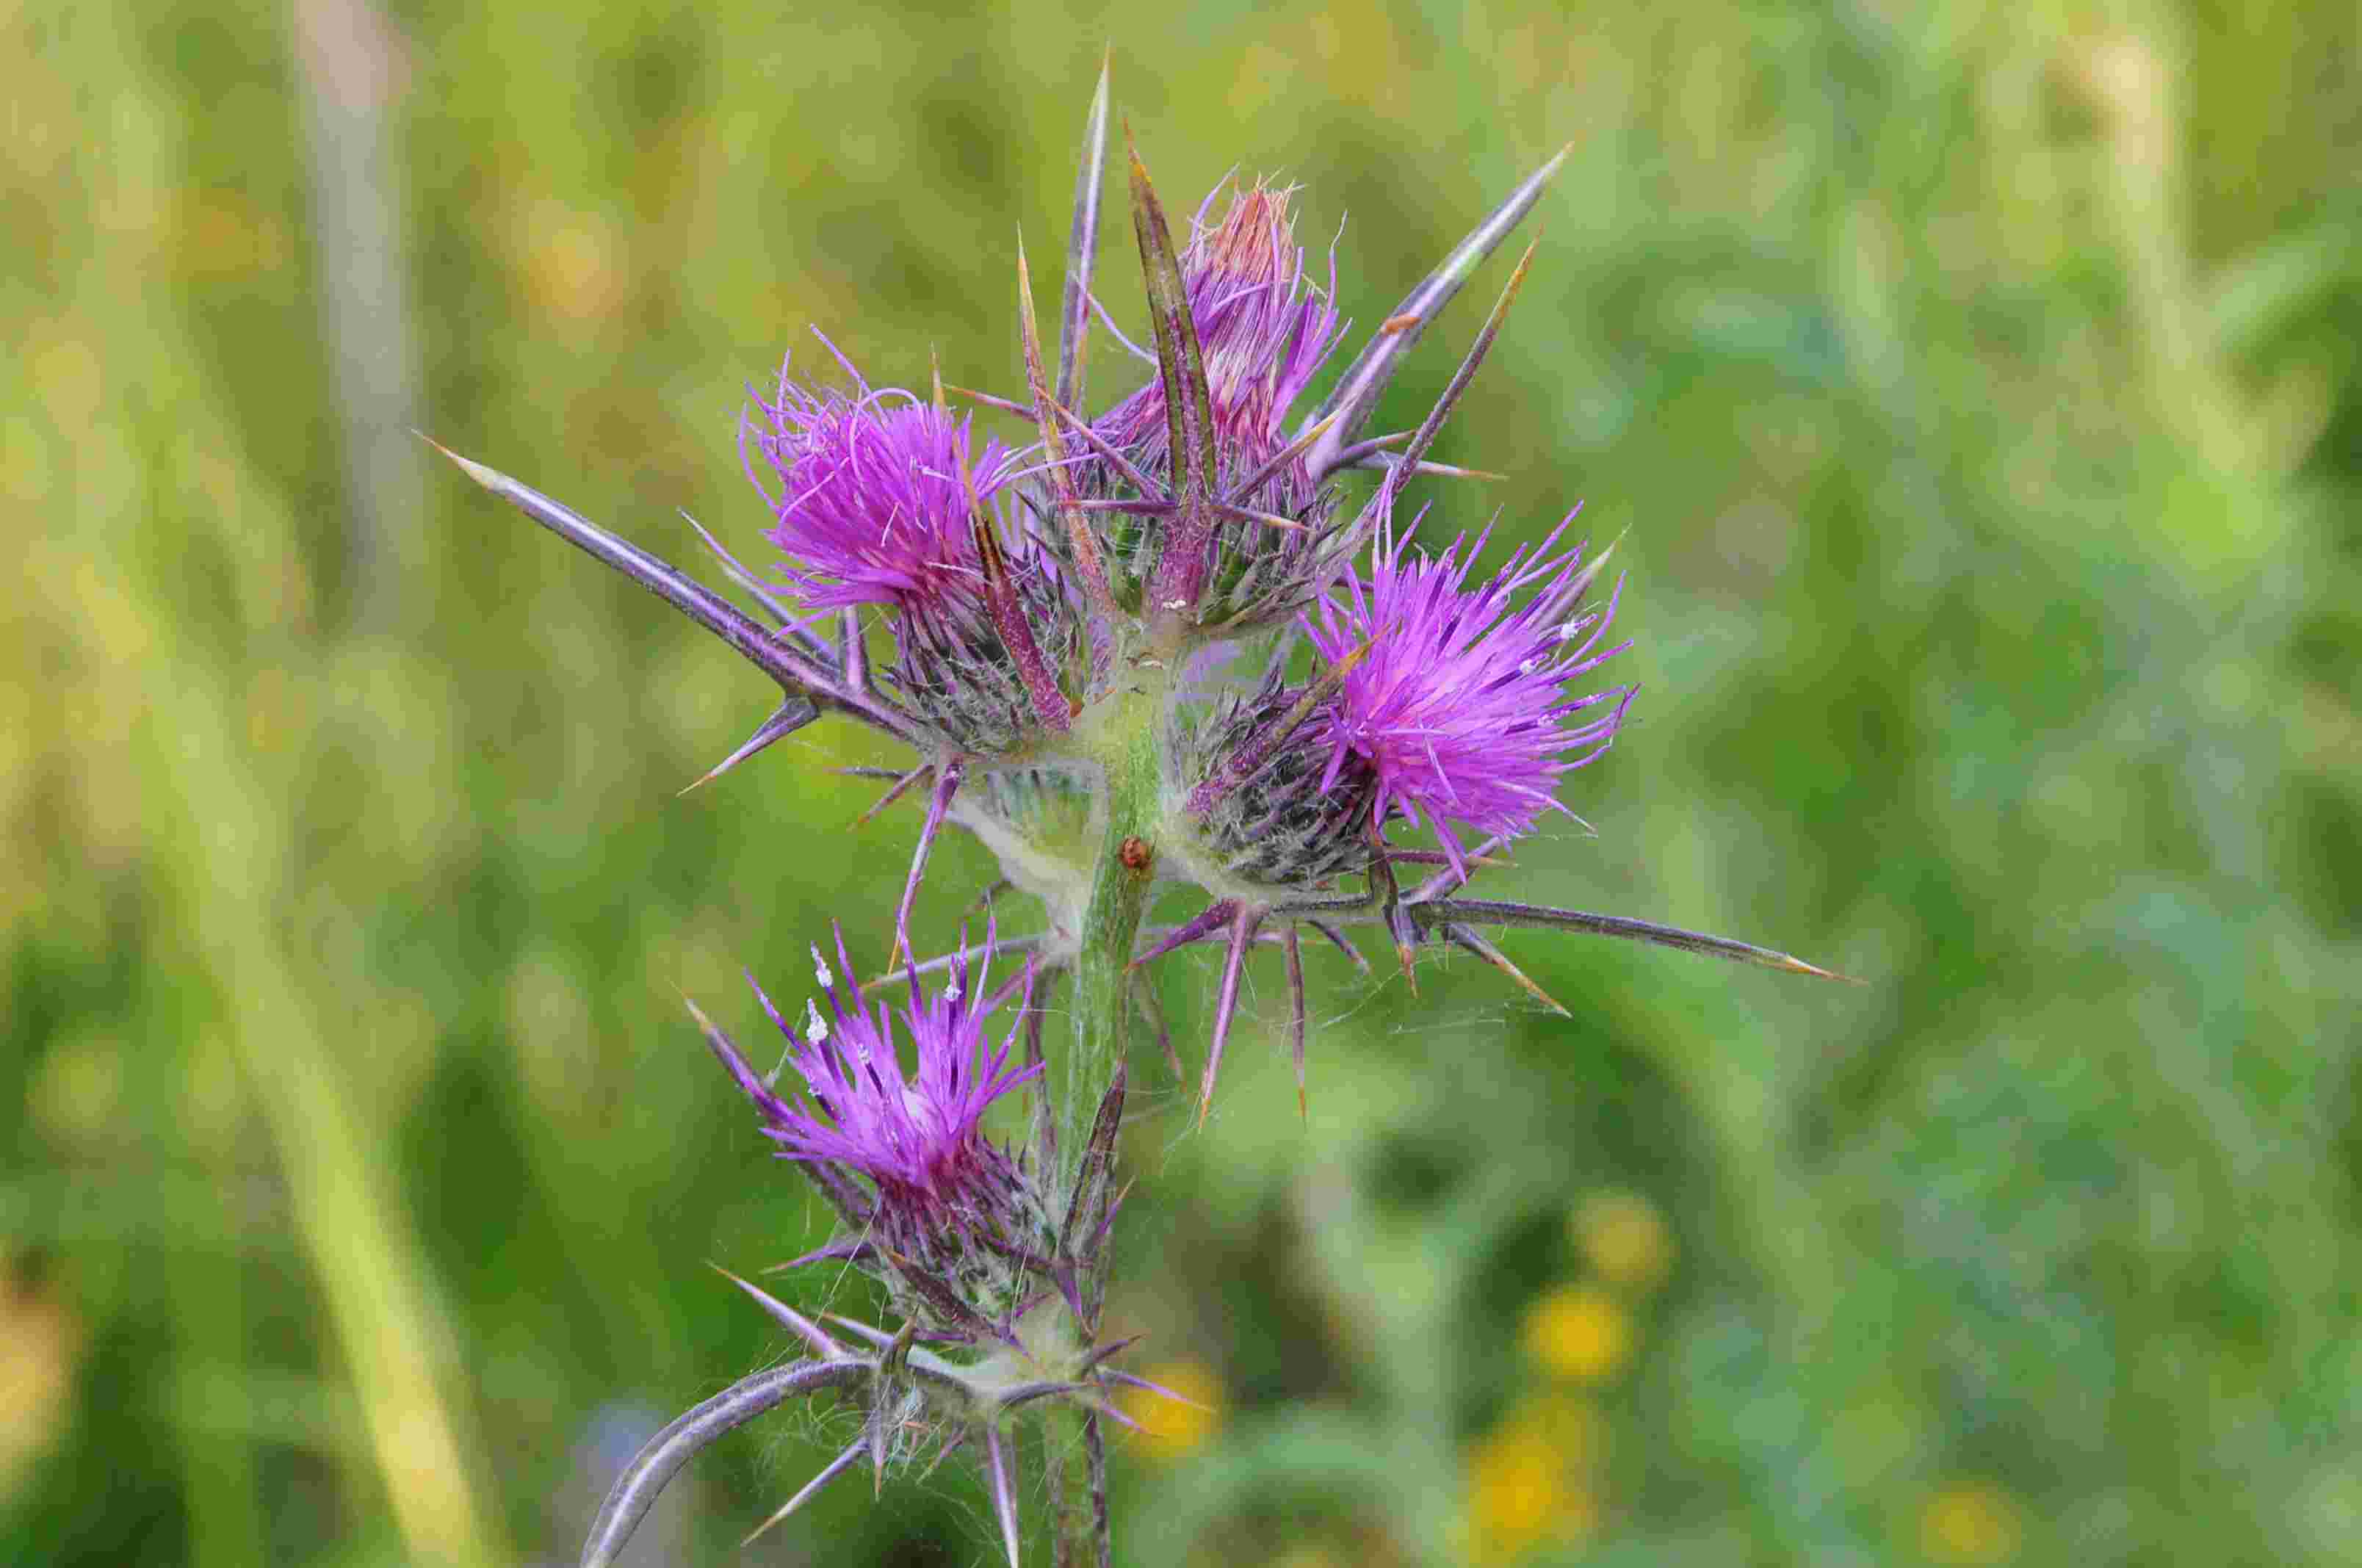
<point>1580,1331</point>
<point>571,264</point>
<point>1974,1523</point>
<point>40,1344</point>
<point>1169,1427</point>
<point>1625,1239</point>
<point>1308,1556</point>
<point>1532,1480</point>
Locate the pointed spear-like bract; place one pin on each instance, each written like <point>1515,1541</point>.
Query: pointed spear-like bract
<point>1294,948</point>
<point>900,787</point>
<point>947,783</point>
<point>1180,357</point>
<point>1464,937</point>
<point>1100,1354</point>
<point>1409,462</point>
<point>1213,917</point>
<point>1451,876</point>
<point>661,1459</point>
<point>876,1429</point>
<point>870,1331</point>
<point>1180,568</point>
<point>1398,925</point>
<point>810,1489</point>
<point>1082,243</point>
<point>1045,1116</point>
<point>852,650</point>
<point>1006,610</point>
<point>1281,458</point>
<point>736,571</point>
<point>1337,939</point>
<point>794,673</point>
<point>791,717</point>
<point>999,1474</point>
<point>1152,1013</point>
<point>1006,405</point>
<point>955,1310</point>
<point>1007,946</point>
<point>1487,912</point>
<point>1388,463</point>
<point>1027,1393</point>
<point>952,1444</point>
<point>1079,539</point>
<point>1226,1000</point>
<point>1134,1380</point>
<point>1110,454</point>
<point>840,1195</point>
<point>1083,1211</point>
<point>1357,391</point>
<point>795,1322</point>
<point>853,1249</point>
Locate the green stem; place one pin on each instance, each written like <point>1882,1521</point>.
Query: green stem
<point>1074,1535</point>
<point>1110,934</point>
<point>1121,733</point>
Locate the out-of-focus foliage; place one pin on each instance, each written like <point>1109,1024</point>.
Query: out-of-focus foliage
<point>1976,392</point>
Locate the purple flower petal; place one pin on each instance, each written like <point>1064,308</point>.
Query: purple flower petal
<point>1457,706</point>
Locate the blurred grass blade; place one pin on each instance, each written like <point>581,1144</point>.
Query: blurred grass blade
<point>223,846</point>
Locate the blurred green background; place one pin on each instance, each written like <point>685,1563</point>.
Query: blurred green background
<point>1978,392</point>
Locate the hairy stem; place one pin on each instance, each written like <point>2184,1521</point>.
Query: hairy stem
<point>1111,924</point>
<point>1121,733</point>
<point>1075,1537</point>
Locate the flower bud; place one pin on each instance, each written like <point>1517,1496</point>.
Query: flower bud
<point>1263,800</point>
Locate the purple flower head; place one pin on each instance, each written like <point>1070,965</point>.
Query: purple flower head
<point>1457,706</point>
<point>1264,329</point>
<point>871,507</point>
<point>917,1139</point>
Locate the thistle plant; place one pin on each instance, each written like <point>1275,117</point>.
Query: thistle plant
<point>1155,657</point>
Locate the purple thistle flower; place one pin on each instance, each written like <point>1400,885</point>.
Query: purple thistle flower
<point>918,1140</point>
<point>872,507</point>
<point>1457,706</point>
<point>1265,332</point>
